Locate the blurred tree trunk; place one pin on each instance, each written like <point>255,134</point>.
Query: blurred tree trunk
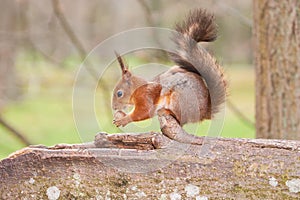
<point>8,23</point>
<point>277,46</point>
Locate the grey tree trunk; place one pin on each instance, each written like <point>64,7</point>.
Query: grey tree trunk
<point>233,169</point>
<point>277,46</point>
<point>8,23</point>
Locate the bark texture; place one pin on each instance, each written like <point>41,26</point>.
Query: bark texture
<point>230,169</point>
<point>277,46</point>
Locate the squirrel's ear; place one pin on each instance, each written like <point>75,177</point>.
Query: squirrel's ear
<point>126,75</point>
<point>121,63</point>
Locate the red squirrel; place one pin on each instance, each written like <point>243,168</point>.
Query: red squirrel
<point>190,91</point>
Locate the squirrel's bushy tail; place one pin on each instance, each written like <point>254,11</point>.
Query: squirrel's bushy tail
<point>200,27</point>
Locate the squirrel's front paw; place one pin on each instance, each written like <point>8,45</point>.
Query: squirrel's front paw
<point>121,122</point>
<point>120,119</point>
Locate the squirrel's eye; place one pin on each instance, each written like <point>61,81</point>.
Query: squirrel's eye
<point>119,93</point>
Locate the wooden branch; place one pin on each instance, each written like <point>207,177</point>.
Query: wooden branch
<point>14,131</point>
<point>67,28</point>
<point>231,169</point>
<point>72,36</point>
<point>147,13</point>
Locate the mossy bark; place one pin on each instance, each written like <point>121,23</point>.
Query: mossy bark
<point>224,169</point>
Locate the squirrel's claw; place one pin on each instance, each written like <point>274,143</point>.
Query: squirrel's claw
<point>120,122</point>
<point>116,123</point>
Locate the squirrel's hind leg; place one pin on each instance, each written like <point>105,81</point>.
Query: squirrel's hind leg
<point>172,129</point>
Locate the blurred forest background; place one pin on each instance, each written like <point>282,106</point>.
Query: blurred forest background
<point>43,43</point>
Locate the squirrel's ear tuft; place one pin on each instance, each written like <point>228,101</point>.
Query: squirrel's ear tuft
<point>121,63</point>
